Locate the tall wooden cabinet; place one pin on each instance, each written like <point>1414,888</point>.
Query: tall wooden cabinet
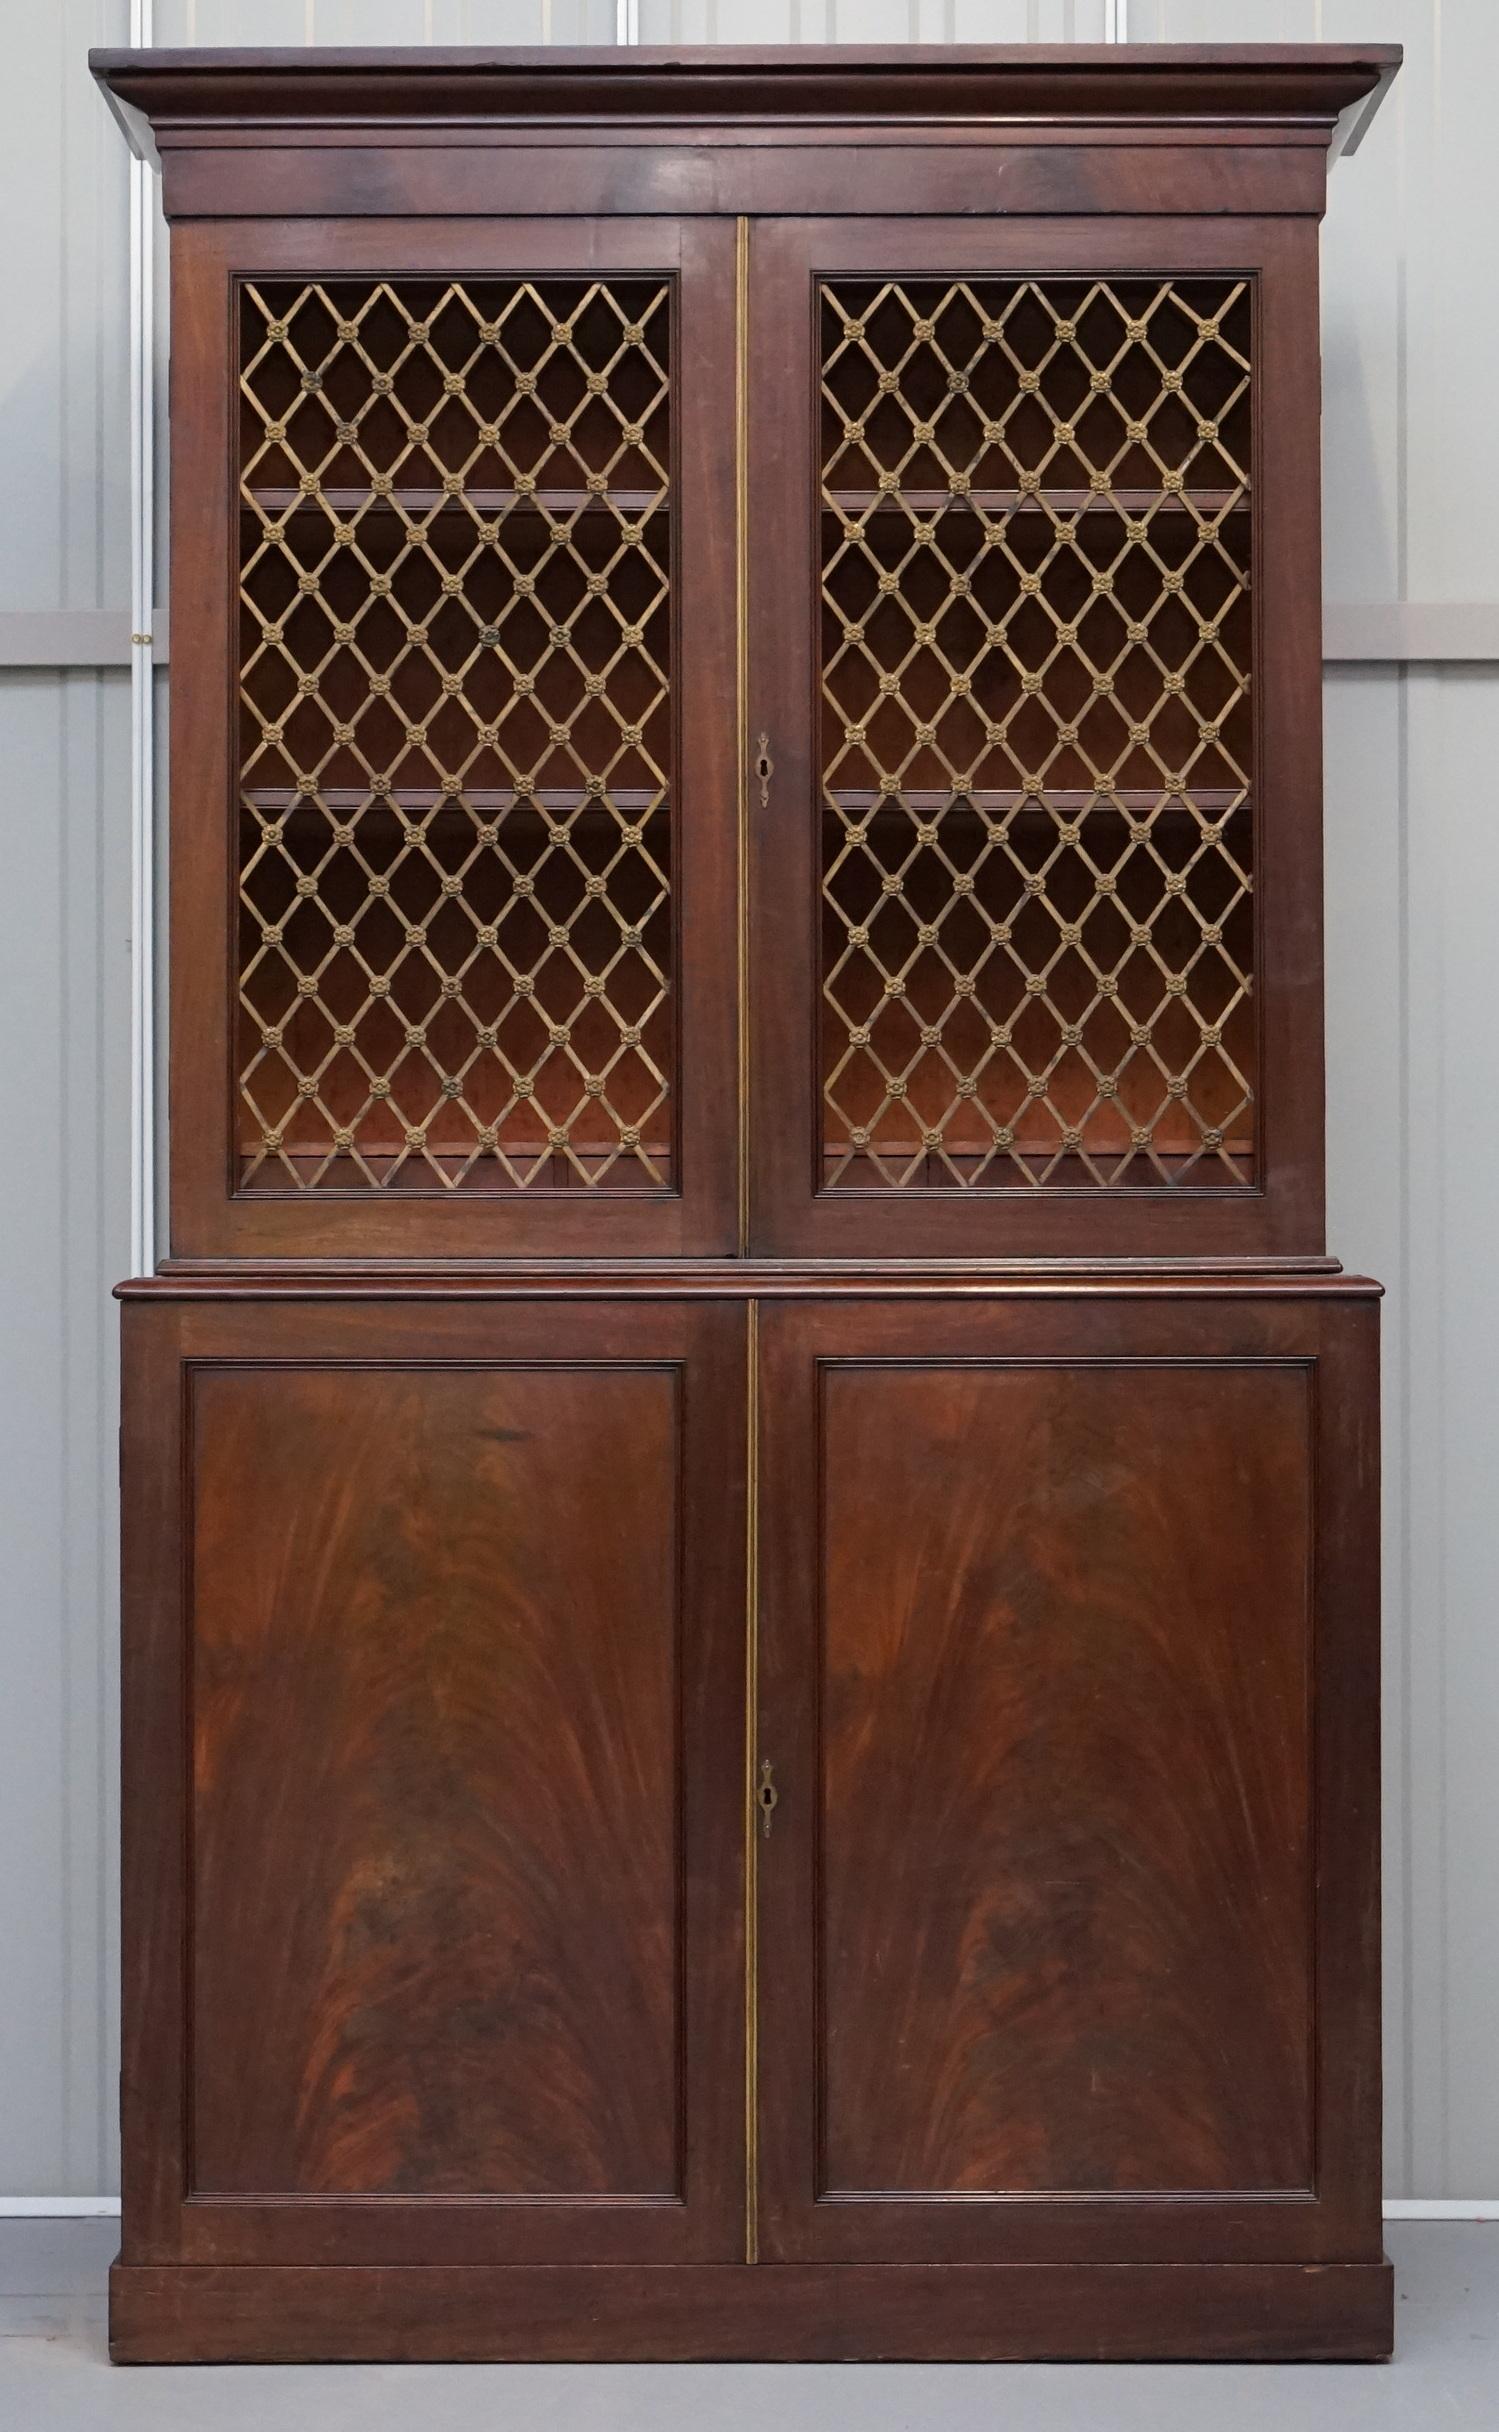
<point>751,1502</point>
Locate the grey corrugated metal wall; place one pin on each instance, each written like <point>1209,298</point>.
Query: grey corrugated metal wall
<point>1412,364</point>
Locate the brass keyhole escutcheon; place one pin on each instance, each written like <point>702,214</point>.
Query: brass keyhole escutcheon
<point>765,769</point>
<point>766,1797</point>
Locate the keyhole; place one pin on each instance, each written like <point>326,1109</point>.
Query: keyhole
<point>765,769</point>
<point>768,1797</point>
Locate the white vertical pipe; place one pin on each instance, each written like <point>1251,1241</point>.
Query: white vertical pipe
<point>1116,20</point>
<point>142,756</point>
<point>627,21</point>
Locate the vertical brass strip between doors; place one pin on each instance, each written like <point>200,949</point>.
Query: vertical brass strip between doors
<point>741,573</point>
<point>751,1808</point>
<point>752,1309</point>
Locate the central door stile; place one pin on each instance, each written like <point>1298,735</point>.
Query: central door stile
<point>752,1307</point>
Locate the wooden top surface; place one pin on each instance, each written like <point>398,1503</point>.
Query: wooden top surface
<point>1074,1280</point>
<point>1290,83</point>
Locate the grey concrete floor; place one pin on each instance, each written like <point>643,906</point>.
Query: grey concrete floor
<point>54,2376</point>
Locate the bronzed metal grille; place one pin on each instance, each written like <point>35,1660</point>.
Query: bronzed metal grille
<point>455,858</point>
<point>1037,822</point>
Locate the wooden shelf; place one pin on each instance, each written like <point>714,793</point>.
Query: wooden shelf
<point>1054,502</point>
<point>561,1174</point>
<point>934,1169</point>
<point>423,499</point>
<point>439,811</point>
<point>494,801</point>
<point>1001,801</point>
<point>554,1173</point>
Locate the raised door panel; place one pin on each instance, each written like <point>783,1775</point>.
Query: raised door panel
<point>1033,593</point>
<point>454,929</point>
<point>1046,1846</point>
<point>434,1764</point>
<point>461,1902</point>
<point>1083,1661</point>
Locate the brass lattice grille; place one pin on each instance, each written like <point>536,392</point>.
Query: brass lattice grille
<point>1037,825</point>
<point>455,746</point>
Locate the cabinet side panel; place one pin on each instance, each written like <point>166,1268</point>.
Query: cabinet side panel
<point>1066,1875</point>
<point>435,1782</point>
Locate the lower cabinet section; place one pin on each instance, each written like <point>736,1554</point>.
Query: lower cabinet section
<point>1015,1677</point>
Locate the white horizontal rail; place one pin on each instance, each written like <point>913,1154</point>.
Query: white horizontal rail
<point>75,637</point>
<point>1392,633</point>
<point>1442,2208</point>
<point>1409,631</point>
<point>59,2208</point>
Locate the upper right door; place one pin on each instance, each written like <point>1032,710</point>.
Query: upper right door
<point>1034,738</point>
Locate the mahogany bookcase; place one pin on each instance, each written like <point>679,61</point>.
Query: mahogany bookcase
<point>751,1609</point>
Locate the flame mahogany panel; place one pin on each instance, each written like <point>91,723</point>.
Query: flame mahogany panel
<point>434,1765</point>
<point>1065,1799</point>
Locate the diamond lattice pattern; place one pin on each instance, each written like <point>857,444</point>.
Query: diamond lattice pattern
<point>1037,876</point>
<point>455,820</point>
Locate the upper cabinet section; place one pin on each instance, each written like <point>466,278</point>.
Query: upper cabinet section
<point>745,649</point>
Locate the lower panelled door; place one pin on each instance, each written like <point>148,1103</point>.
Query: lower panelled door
<point>434,1640</point>
<point>1067,1679</point>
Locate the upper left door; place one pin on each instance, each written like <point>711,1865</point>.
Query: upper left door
<point>452,875</point>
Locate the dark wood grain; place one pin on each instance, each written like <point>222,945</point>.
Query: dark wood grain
<point>153,1780</point>
<point>461,1977</point>
<point>1076,128</point>
<point>472,87</point>
<point>435,1762</point>
<point>1221,2313</point>
<point>1069,1941</point>
<point>743,1279</point>
<point>1065,1790</point>
<point>768,171</point>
